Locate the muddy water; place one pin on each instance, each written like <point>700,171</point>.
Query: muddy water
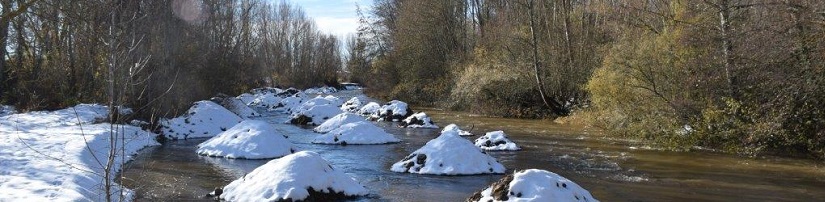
<point>613,170</point>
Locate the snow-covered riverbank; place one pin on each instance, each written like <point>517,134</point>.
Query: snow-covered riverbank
<point>60,155</point>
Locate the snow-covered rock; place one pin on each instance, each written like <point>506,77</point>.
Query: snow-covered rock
<point>334,100</point>
<point>338,120</point>
<point>418,120</point>
<point>300,94</point>
<point>246,98</point>
<point>351,105</point>
<point>533,185</point>
<point>237,106</point>
<point>449,154</point>
<point>328,90</point>
<point>369,109</point>
<point>312,91</point>
<point>266,100</point>
<point>393,111</point>
<point>453,127</point>
<point>315,115</point>
<point>288,105</point>
<point>363,132</point>
<point>496,141</point>
<point>303,176</point>
<point>250,139</point>
<point>51,156</point>
<point>329,100</point>
<point>203,119</point>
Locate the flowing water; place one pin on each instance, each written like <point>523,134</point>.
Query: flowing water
<point>611,169</point>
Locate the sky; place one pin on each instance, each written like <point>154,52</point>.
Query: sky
<point>334,16</point>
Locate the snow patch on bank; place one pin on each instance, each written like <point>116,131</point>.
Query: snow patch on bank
<point>54,156</point>
<point>6,110</point>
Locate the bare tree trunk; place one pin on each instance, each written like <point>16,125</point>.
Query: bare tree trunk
<point>113,112</point>
<point>567,38</point>
<point>549,103</point>
<point>727,47</point>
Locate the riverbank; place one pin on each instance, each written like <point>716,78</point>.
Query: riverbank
<point>61,155</point>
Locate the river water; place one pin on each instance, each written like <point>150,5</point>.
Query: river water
<point>611,169</point>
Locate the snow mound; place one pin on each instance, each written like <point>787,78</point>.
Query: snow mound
<point>356,133</point>
<point>328,100</point>
<point>290,92</point>
<point>369,109</point>
<point>534,185</point>
<point>418,120</point>
<point>265,100</point>
<point>249,139</point>
<point>246,98</point>
<point>203,119</point>
<point>287,105</point>
<point>449,154</point>
<point>496,141</point>
<point>393,111</point>
<point>351,105</point>
<point>334,100</point>
<point>6,110</point>
<point>300,94</point>
<point>237,106</point>
<point>303,176</point>
<point>315,115</point>
<point>453,127</point>
<point>311,91</point>
<point>337,121</point>
<point>50,156</point>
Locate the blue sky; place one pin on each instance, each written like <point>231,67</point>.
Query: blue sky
<point>333,16</point>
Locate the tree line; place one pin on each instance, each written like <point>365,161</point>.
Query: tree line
<point>156,55</point>
<point>744,76</point>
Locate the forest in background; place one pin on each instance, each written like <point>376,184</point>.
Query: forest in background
<point>741,76</point>
<point>157,56</point>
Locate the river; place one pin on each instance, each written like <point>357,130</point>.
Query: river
<point>611,169</point>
